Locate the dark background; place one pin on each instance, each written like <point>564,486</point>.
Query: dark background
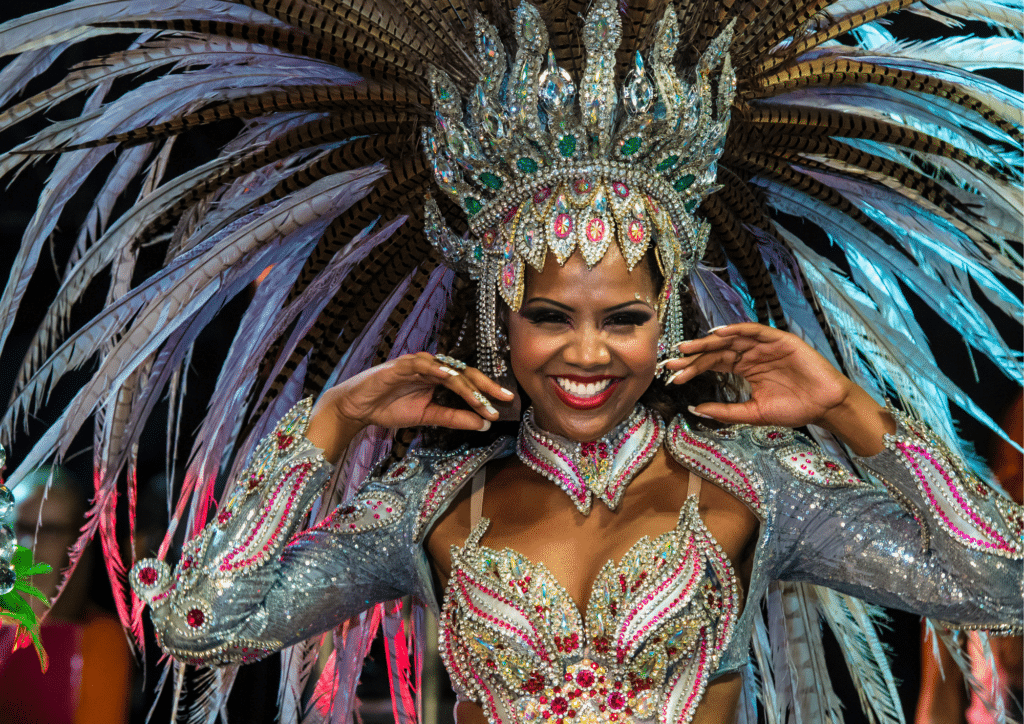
<point>259,682</point>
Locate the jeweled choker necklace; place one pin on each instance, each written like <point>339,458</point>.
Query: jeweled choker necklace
<point>602,467</point>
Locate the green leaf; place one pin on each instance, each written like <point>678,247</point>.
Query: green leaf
<point>32,591</point>
<point>23,620</point>
<point>22,558</point>
<point>15,603</point>
<point>44,660</point>
<point>36,570</point>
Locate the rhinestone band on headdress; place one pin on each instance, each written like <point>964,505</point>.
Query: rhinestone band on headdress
<point>537,170</point>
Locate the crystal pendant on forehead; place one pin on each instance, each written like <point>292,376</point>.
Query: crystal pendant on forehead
<point>556,86</point>
<point>638,91</point>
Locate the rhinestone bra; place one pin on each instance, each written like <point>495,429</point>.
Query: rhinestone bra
<point>655,628</point>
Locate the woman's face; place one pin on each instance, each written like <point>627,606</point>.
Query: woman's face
<point>584,343</point>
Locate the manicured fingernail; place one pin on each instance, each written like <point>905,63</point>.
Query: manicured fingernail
<point>485,426</point>
<point>507,393</point>
<point>448,371</point>
<point>720,326</point>
<point>672,377</point>
<point>698,414</point>
<point>490,410</point>
<point>661,365</point>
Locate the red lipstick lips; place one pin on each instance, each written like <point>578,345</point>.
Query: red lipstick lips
<point>584,403</point>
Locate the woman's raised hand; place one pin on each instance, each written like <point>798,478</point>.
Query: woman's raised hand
<point>791,385</point>
<point>400,393</point>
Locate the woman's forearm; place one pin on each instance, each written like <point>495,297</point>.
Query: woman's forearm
<point>859,422</point>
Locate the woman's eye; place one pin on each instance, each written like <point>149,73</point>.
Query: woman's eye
<point>546,316</point>
<point>629,319</point>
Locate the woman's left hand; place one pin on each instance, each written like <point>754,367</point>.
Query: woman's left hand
<point>791,384</point>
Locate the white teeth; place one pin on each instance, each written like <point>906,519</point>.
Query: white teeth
<point>578,389</point>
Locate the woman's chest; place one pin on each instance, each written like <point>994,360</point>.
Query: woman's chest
<point>539,622</point>
<point>532,518</point>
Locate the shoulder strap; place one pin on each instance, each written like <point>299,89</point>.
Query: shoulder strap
<point>476,499</point>
<point>693,485</point>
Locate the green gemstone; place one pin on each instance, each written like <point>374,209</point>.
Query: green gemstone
<point>527,165</point>
<point>491,181</point>
<point>567,145</point>
<point>631,146</point>
<point>691,205</point>
<point>473,206</point>
<point>478,252</point>
<point>667,163</point>
<point>443,93</point>
<point>683,182</point>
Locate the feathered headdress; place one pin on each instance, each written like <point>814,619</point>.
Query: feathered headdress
<point>903,156</point>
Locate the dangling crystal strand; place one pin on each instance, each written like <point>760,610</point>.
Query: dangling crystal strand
<point>556,87</point>
<point>638,92</point>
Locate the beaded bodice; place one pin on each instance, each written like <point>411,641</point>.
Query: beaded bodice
<point>654,628</point>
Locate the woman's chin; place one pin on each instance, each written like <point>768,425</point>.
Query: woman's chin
<point>581,424</point>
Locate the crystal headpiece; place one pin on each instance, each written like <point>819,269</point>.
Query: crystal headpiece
<point>540,168</point>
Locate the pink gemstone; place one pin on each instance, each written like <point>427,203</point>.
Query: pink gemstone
<point>148,576</point>
<point>195,618</point>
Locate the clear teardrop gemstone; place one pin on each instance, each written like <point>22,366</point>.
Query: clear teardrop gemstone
<point>556,86</point>
<point>445,172</point>
<point>489,116</point>
<point>638,91</point>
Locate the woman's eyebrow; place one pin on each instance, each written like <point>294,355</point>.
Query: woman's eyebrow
<point>552,302</point>
<point>566,307</point>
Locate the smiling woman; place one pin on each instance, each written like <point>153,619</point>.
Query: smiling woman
<point>553,423</point>
<point>584,344</point>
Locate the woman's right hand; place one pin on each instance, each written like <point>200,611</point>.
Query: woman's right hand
<point>400,393</point>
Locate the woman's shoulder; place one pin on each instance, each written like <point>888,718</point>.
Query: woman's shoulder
<point>430,478</point>
<point>751,461</point>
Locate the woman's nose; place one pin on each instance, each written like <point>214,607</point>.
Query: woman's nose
<point>587,349</point>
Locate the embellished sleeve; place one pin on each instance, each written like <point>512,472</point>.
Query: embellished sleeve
<point>249,585</point>
<point>925,535</point>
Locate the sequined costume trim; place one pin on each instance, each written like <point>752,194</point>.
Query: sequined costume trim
<point>813,466</point>
<point>271,495</point>
<point>449,473</point>
<point>656,625</point>
<point>601,468</point>
<point>712,462</point>
<point>952,492</point>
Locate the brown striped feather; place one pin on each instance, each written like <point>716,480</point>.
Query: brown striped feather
<point>564,19</point>
<point>830,32</point>
<point>741,199</point>
<point>714,257</point>
<point>833,72</point>
<point>787,120</point>
<point>780,170</point>
<point>637,33</point>
<point>904,180</point>
<point>402,190</point>
<point>782,21</point>
<point>318,132</point>
<point>299,98</point>
<point>741,248</point>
